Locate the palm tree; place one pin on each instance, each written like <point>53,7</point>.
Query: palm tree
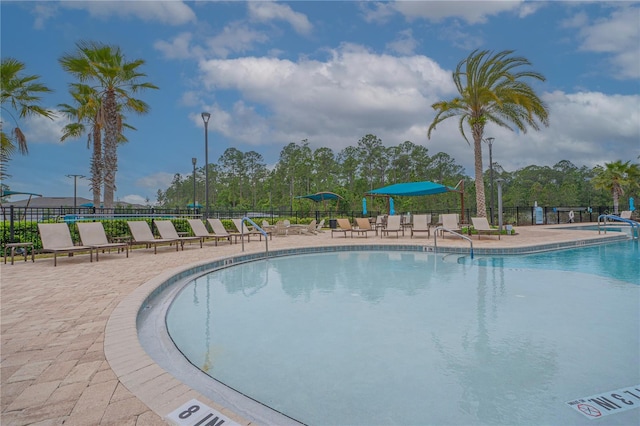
<point>616,177</point>
<point>22,94</point>
<point>114,79</point>
<point>491,89</point>
<point>88,110</point>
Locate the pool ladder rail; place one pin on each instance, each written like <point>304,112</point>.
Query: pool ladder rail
<point>442,228</point>
<point>259,229</point>
<point>635,226</point>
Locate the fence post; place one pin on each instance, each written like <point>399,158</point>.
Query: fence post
<point>11,230</point>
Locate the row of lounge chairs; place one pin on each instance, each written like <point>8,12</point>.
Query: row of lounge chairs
<point>421,224</point>
<point>56,237</point>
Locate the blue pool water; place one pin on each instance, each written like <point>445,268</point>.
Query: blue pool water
<point>383,338</point>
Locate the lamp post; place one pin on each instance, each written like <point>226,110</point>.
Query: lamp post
<point>500,182</point>
<point>205,118</point>
<point>193,161</point>
<point>489,141</point>
<point>75,190</point>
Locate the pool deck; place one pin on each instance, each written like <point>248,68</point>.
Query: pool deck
<point>58,322</point>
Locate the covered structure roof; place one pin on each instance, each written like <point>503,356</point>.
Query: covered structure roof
<point>413,189</point>
<point>7,193</point>
<point>321,196</point>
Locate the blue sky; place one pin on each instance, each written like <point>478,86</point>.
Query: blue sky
<point>271,73</point>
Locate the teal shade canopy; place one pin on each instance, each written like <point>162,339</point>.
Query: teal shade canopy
<point>321,196</point>
<point>412,189</point>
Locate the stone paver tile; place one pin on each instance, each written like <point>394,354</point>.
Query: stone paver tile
<point>50,422</point>
<point>103,376</point>
<point>10,391</point>
<point>15,357</point>
<point>121,393</point>
<point>94,399</point>
<point>56,371</point>
<point>119,411</point>
<point>82,372</point>
<point>29,371</point>
<point>92,356</point>
<point>69,393</point>
<point>71,354</point>
<point>6,372</point>
<point>34,395</point>
<point>48,353</point>
<point>46,412</point>
<point>120,422</point>
<point>149,418</point>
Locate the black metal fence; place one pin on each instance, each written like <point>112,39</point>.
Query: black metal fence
<point>19,224</point>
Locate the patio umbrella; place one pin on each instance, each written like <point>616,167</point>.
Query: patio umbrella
<point>631,206</point>
<point>392,210</point>
<point>364,206</point>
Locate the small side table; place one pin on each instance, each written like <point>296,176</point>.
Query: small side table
<point>13,247</point>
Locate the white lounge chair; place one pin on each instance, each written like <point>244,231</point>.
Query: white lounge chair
<point>56,238</point>
<point>481,224</point>
<point>394,224</point>
<point>381,222</point>
<point>219,230</point>
<point>244,230</point>
<point>92,234</point>
<point>167,230</point>
<point>200,230</point>
<point>451,222</point>
<point>421,224</point>
<point>141,234</point>
<point>344,226</point>
<point>310,229</point>
<point>282,229</point>
<point>364,227</point>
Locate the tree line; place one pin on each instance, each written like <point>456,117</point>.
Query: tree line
<point>241,180</point>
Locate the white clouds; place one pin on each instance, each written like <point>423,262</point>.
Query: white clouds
<point>353,92</point>
<point>178,48</point>
<point>404,44</point>
<point>170,12</point>
<point>235,38</point>
<point>473,12</point>
<point>266,11</point>
<point>619,35</point>
<point>155,181</point>
<point>136,199</point>
<point>40,129</point>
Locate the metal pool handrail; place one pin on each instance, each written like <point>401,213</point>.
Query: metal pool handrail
<point>635,226</point>
<point>442,228</point>
<point>255,225</point>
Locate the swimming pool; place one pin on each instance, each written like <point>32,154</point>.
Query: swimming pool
<point>375,337</point>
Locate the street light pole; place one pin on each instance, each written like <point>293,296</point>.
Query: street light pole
<point>193,161</point>
<point>75,190</point>
<point>205,118</point>
<point>489,142</point>
<point>500,182</point>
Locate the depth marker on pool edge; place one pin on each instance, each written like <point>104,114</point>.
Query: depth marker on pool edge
<point>195,413</point>
<point>603,404</point>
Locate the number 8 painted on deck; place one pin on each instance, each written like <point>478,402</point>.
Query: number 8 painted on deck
<point>189,411</point>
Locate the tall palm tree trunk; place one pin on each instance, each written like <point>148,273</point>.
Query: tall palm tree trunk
<point>96,167</point>
<point>481,206</point>
<point>110,148</point>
